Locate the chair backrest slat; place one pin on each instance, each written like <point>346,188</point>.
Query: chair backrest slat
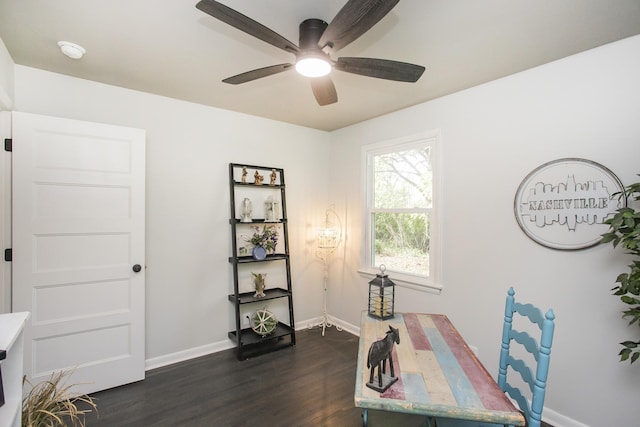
<point>516,395</point>
<point>541,352</point>
<point>525,372</point>
<point>531,311</point>
<point>527,341</point>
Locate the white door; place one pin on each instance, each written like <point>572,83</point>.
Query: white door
<point>78,231</point>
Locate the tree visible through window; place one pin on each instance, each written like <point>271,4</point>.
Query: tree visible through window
<point>400,204</point>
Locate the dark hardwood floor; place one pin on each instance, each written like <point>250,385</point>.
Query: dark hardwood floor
<point>311,384</point>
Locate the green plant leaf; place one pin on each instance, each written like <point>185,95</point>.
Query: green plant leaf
<point>624,354</point>
<point>629,300</point>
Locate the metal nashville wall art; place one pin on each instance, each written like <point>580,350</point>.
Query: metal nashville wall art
<point>562,204</point>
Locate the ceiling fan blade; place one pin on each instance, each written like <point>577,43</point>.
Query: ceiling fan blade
<point>353,20</point>
<point>246,24</point>
<point>324,90</point>
<point>257,74</point>
<point>380,68</point>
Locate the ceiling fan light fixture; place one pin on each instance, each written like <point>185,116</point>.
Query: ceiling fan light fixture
<point>313,66</point>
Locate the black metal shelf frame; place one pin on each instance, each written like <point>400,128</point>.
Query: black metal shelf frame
<point>248,342</point>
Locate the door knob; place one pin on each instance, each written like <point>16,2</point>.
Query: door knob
<point>137,268</point>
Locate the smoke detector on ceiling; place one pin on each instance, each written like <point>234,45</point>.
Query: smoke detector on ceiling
<point>72,50</point>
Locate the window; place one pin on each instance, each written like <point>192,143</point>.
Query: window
<point>401,221</point>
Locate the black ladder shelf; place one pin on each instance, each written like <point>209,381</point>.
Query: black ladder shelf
<point>249,343</point>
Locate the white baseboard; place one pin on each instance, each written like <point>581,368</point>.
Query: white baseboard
<point>549,415</point>
<point>181,356</point>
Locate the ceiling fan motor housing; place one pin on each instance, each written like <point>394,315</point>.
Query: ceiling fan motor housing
<point>310,32</point>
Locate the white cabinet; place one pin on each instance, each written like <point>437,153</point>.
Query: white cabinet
<point>12,341</point>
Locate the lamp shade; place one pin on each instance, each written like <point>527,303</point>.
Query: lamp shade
<point>328,238</point>
<point>329,233</point>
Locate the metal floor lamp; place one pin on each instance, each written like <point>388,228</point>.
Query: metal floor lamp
<point>329,237</point>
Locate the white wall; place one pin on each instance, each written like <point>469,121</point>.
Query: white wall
<point>189,147</point>
<point>585,106</point>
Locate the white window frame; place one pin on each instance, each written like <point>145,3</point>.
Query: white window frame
<point>432,282</point>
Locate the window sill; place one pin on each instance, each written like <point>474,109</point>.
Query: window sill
<point>416,283</point>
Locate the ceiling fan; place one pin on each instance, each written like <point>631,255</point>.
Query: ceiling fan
<point>317,41</point>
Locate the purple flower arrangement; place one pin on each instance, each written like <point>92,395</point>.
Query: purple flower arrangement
<point>267,238</point>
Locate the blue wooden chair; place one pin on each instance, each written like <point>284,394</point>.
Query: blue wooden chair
<point>510,364</point>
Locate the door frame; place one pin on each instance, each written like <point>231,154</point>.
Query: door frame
<point>5,213</point>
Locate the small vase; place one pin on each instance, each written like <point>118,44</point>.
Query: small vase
<point>259,253</point>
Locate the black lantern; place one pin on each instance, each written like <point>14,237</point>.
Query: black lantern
<point>381,295</point>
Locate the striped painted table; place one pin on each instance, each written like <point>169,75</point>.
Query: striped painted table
<point>438,375</point>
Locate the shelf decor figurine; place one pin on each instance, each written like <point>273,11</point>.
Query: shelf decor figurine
<point>271,210</point>
<point>272,182</point>
<point>379,353</point>
<point>258,283</point>
<point>246,211</point>
<point>257,178</point>
<point>244,174</point>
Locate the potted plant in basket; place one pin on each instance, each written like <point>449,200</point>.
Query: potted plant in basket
<point>624,230</point>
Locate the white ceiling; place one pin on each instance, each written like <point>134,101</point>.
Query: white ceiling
<point>170,48</point>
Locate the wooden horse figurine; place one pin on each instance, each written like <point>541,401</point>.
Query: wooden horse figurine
<point>379,352</point>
